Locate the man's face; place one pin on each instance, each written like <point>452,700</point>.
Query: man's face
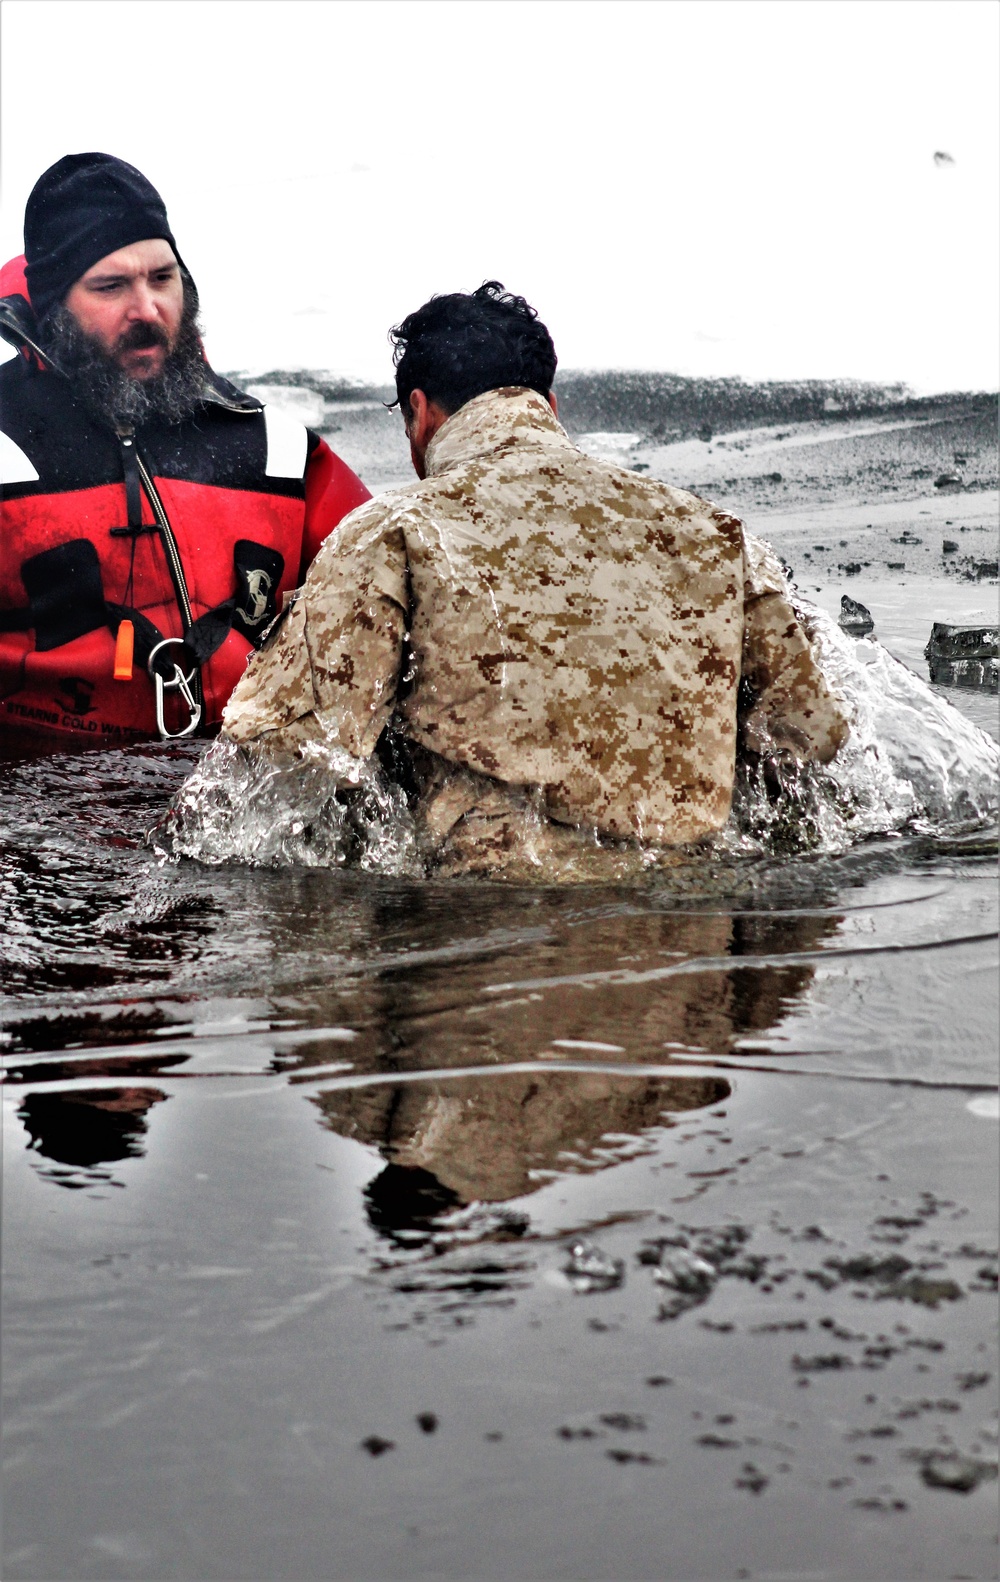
<point>131,303</point>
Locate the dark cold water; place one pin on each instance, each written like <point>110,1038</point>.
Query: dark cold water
<point>358,1225</point>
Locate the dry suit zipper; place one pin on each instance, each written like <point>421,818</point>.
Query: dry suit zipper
<point>169,543</point>
<point>173,555</point>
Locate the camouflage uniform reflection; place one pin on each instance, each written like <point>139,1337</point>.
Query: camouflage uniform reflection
<point>494,1139</point>
<point>453,1141</point>
<point>560,641</point>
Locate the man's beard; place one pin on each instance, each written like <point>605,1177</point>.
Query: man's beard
<point>115,396</point>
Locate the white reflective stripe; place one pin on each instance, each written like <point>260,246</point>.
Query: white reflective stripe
<point>14,464</point>
<point>287,442</point>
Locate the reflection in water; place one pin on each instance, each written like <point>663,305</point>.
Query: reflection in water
<point>442,1010</point>
<point>87,1128</point>
<point>472,1140</point>
<point>979,673</point>
<point>404,1203</point>
<point>457,1140</point>
<point>443,985</point>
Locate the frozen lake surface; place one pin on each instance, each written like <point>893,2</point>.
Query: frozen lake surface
<point>358,1226</point>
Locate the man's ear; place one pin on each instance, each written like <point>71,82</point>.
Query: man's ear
<point>425,418</point>
<point>553,403</point>
<point>415,417</point>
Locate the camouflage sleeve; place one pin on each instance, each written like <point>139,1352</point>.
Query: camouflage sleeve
<point>793,705</point>
<point>331,669</point>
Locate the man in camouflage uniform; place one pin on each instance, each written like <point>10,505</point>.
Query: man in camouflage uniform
<point>558,642</point>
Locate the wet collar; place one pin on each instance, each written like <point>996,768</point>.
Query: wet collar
<point>498,418</point>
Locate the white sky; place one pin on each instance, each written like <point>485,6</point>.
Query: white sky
<point>717,187</point>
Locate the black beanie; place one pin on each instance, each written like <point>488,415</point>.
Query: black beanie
<point>81,209</point>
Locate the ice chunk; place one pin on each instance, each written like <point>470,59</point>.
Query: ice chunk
<point>855,617</point>
<point>689,1279</point>
<point>589,1269</point>
<point>963,656</point>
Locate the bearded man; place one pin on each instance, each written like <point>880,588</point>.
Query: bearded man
<point>154,516</point>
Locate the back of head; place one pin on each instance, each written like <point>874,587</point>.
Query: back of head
<point>458,346</point>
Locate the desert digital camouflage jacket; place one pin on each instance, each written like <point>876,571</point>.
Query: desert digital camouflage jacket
<point>549,622</point>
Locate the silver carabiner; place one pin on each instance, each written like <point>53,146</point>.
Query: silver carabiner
<point>180,683</point>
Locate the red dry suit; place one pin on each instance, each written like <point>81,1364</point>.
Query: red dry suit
<point>193,531</point>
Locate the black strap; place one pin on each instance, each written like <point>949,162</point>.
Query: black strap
<point>201,640</point>
<point>67,599</point>
<point>250,610</point>
<point>133,493</point>
<point>209,631</point>
<point>147,635</point>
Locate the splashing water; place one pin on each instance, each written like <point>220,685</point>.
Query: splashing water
<point>324,809</point>
<point>912,763</point>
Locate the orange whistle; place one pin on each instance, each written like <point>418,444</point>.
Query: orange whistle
<point>124,645</point>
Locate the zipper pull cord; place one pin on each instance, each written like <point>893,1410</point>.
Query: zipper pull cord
<point>133,505</point>
<point>133,488</point>
<point>133,492</point>
<point>125,636</point>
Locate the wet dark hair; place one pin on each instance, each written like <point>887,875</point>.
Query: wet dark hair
<point>405,1201</point>
<point>456,347</point>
